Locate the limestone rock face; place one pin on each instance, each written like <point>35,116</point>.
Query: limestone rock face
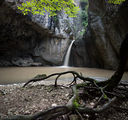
<point>78,55</point>
<point>32,40</point>
<point>107,27</point>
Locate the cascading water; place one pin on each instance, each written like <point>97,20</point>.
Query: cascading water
<point>67,56</point>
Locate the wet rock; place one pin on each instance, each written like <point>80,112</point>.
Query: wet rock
<point>4,62</point>
<point>24,62</point>
<point>78,54</point>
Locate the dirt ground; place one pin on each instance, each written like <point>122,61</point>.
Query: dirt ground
<point>17,100</point>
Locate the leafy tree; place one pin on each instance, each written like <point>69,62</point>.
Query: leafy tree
<point>51,6</point>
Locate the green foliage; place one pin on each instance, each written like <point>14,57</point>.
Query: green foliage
<point>82,32</point>
<point>51,6</point>
<point>116,1</point>
<point>84,17</point>
<point>83,0</point>
<point>55,18</point>
<point>105,96</point>
<point>76,104</point>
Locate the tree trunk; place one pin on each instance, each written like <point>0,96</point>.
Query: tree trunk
<point>116,77</point>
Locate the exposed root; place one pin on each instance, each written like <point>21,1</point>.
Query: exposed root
<point>44,115</point>
<point>74,102</point>
<point>93,99</point>
<point>75,75</point>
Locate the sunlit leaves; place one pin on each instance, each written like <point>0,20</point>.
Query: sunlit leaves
<point>116,1</point>
<point>51,6</point>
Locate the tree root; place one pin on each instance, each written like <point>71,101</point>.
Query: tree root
<point>44,115</point>
<point>75,75</point>
<point>81,103</point>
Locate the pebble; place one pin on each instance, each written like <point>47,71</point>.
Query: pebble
<point>54,105</point>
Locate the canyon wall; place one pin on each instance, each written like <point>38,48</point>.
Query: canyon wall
<point>34,40</point>
<point>107,27</point>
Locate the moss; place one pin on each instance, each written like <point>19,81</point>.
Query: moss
<point>40,76</point>
<point>81,85</point>
<point>75,101</point>
<point>76,104</point>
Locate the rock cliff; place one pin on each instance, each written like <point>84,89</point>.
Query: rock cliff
<point>33,39</point>
<point>107,27</point>
<point>42,40</point>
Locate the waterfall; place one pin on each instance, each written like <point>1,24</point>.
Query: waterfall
<point>67,56</point>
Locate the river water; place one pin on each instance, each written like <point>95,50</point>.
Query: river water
<point>9,75</point>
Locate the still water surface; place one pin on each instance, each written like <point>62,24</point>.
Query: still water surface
<point>11,75</point>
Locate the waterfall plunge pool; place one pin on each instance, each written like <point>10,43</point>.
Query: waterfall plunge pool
<point>11,75</point>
